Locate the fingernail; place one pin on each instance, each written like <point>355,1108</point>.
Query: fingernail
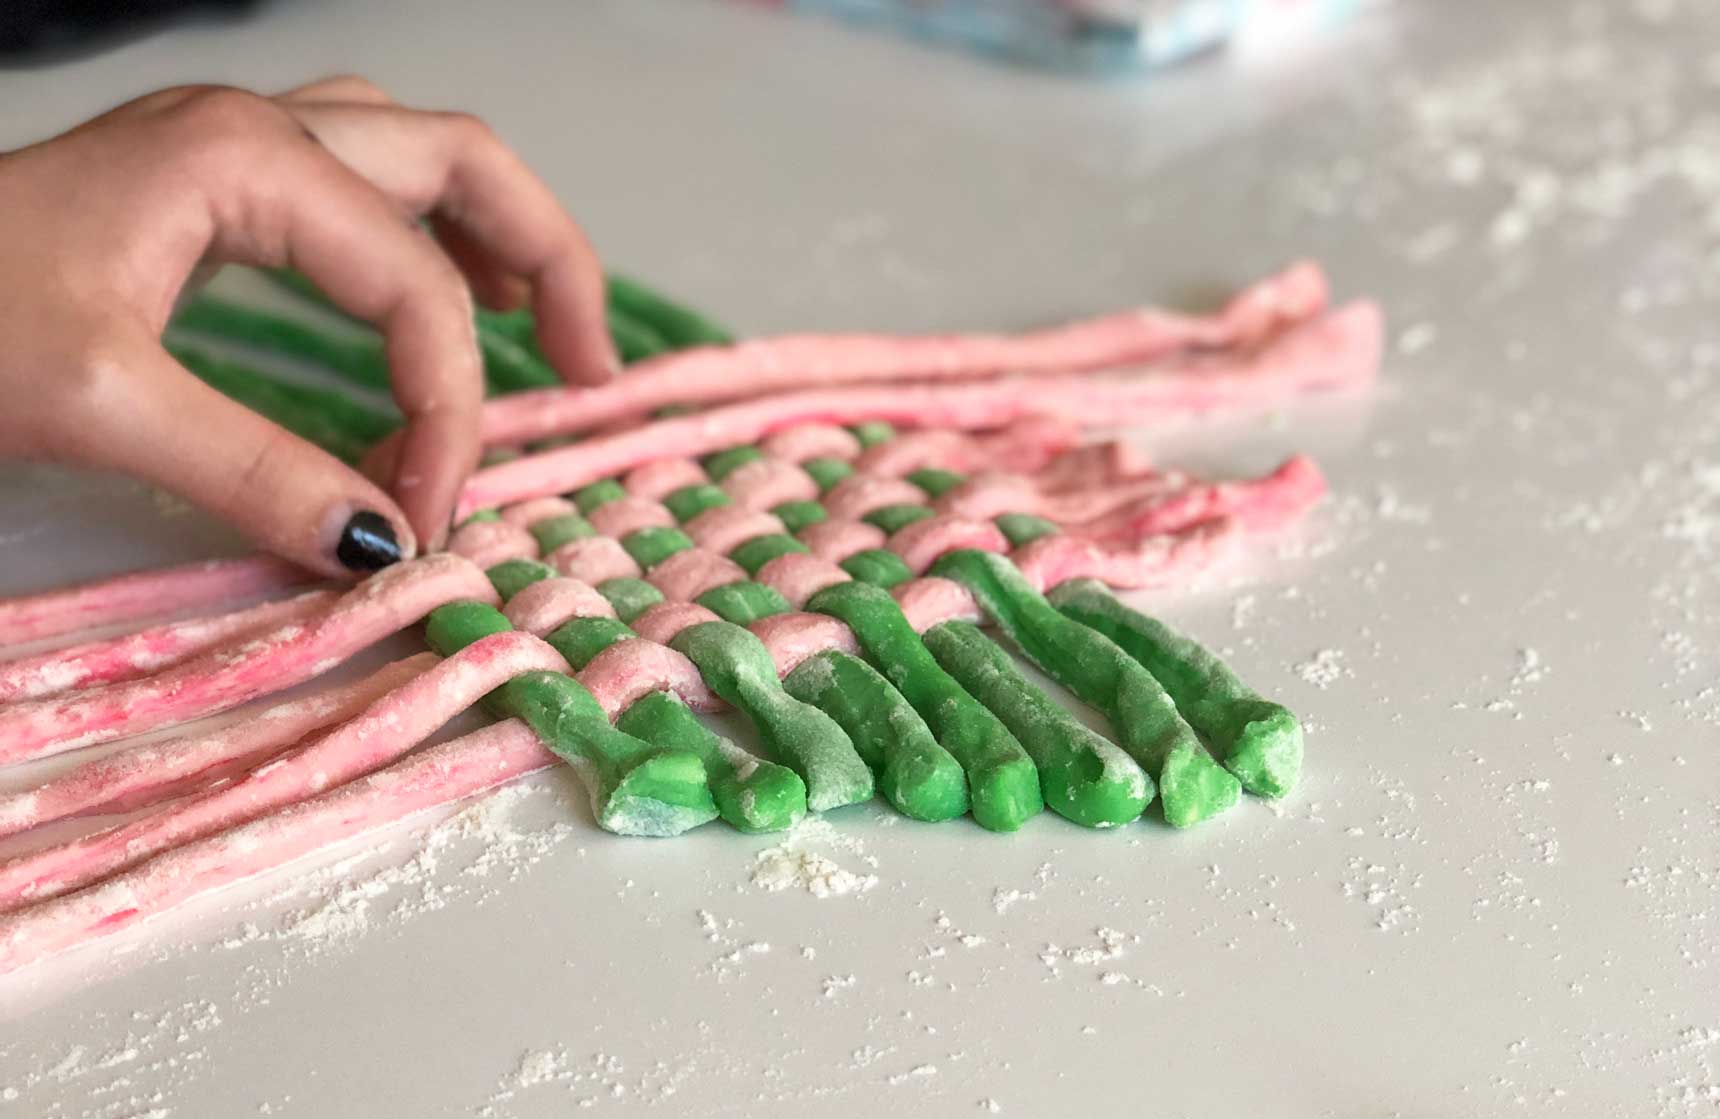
<point>367,543</point>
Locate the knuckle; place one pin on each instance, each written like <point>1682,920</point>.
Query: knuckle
<point>468,129</point>
<point>223,117</point>
<point>351,87</point>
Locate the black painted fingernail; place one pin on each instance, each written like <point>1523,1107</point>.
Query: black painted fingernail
<point>367,543</point>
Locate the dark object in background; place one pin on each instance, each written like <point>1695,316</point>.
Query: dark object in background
<point>41,32</point>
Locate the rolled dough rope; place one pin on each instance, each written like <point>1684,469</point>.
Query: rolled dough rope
<point>1334,351</point>
<point>149,774</point>
<point>810,441</point>
<point>768,482</point>
<point>549,603</point>
<point>1026,445</point>
<point>679,326</point>
<point>387,728</point>
<point>739,668</point>
<point>636,788</point>
<point>594,560</point>
<point>783,364</point>
<point>223,678</point>
<point>150,650</point>
<point>1084,777</point>
<point>624,672</point>
<point>627,514</point>
<point>1258,740</point>
<point>797,576</point>
<point>720,529</point>
<point>138,595</point>
<point>431,778</point>
<point>1192,787</point>
<point>528,513</point>
<point>487,543</point>
<point>1003,785</point>
<point>656,480</point>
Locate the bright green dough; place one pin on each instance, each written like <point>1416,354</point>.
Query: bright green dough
<point>751,794</point>
<point>760,550</point>
<point>1192,787</point>
<point>678,326</point>
<point>1084,776</point>
<point>480,517</point>
<point>827,471</point>
<point>357,358</point>
<point>892,517</point>
<point>922,779</point>
<point>722,463</point>
<point>1024,528</point>
<point>934,481</point>
<point>598,493</point>
<point>736,666</point>
<point>651,546</point>
<point>689,501</point>
<point>630,597</point>
<point>510,577</point>
<point>873,432</point>
<point>553,532</point>
<point>744,602</point>
<point>634,340</point>
<point>796,515</point>
<point>1003,785</point>
<point>636,788</point>
<point>877,566</point>
<point>1258,740</point>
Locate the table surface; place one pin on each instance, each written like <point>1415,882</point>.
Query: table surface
<point>1492,893</point>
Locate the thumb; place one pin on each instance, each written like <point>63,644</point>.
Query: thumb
<point>158,422</point>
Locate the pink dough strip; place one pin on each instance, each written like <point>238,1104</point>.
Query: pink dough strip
<point>797,576</point>
<point>144,594</point>
<point>528,513</point>
<point>223,678</point>
<point>487,543</point>
<point>1338,350</point>
<point>146,651</point>
<point>628,514</point>
<point>835,541</point>
<point>388,728</point>
<point>768,482</point>
<point>1258,504</point>
<point>657,480</point>
<point>143,775</point>
<point>691,572</point>
<point>432,778</point>
<point>929,600</point>
<point>792,638</point>
<point>631,669</point>
<point>770,365</point>
<point>1151,561</point>
<point>1026,446</point>
<point>549,603</point>
<point>859,494</point>
<point>990,495</point>
<point>594,559</point>
<point>921,543</point>
<point>721,528</point>
<point>660,623</point>
<point>810,441</point>
<point>1093,465</point>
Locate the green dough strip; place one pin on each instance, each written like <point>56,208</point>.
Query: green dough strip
<point>751,794</point>
<point>723,463</point>
<point>634,340</point>
<point>916,775</point>
<point>689,501</point>
<point>892,517</point>
<point>743,602</point>
<point>630,597</point>
<point>651,546</point>
<point>481,516</point>
<point>934,481</point>
<point>760,550</point>
<point>877,566</point>
<point>796,515</point>
<point>1024,528</point>
<point>873,432</point>
<point>332,421</point>
<point>636,788</point>
<point>1003,785</point>
<point>1258,740</point>
<point>1192,787</point>
<point>510,577</point>
<point>1084,777</point>
<point>553,532</point>
<point>678,326</point>
<point>359,360</point>
<point>597,494</point>
<point>827,471</point>
<point>736,666</point>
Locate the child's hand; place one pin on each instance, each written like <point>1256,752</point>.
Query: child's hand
<point>102,227</point>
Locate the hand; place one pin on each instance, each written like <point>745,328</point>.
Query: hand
<point>102,227</point>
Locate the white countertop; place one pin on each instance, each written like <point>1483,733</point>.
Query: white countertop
<point>1493,892</point>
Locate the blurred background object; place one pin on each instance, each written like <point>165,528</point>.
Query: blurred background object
<point>34,32</point>
<point>1088,36</point>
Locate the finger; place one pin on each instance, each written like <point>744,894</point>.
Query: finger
<point>347,88</point>
<point>492,285</point>
<point>453,166</point>
<point>143,414</point>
